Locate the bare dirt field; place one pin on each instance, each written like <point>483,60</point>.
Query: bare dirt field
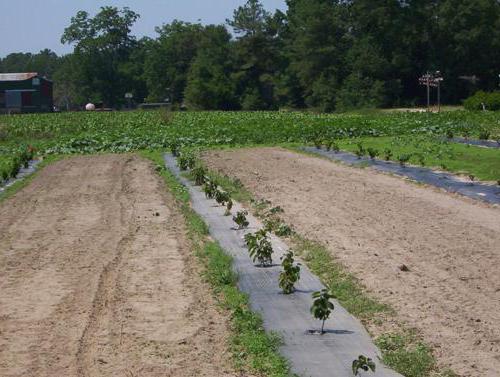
<point>374,223</point>
<point>97,278</point>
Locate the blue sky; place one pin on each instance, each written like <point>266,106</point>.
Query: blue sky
<point>32,25</point>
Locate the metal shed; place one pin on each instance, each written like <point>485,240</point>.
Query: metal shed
<point>25,93</point>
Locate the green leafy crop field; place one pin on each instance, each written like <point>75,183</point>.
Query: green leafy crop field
<point>81,132</point>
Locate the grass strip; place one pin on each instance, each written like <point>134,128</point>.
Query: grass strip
<point>403,351</point>
<point>252,348</point>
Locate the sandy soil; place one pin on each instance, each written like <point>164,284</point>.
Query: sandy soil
<point>97,278</point>
<point>374,223</point>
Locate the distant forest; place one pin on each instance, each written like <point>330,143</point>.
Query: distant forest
<point>328,55</point>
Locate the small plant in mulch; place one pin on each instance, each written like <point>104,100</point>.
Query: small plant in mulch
<point>210,188</point>
<point>335,147</point>
<point>260,248</point>
<point>290,274</point>
<point>175,149</point>
<point>199,174</point>
<point>241,219</point>
<point>373,153</point>
<point>403,159</point>
<point>322,307</point>
<point>222,197</point>
<point>229,206</point>
<point>484,134</point>
<point>362,363</point>
<point>360,152</point>
<point>472,178</point>
<point>387,154</point>
<point>186,161</point>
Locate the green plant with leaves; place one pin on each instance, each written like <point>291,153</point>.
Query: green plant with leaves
<point>318,143</point>
<point>175,149</point>
<point>210,188</point>
<point>241,219</point>
<point>387,154</point>
<point>322,307</point>
<point>290,274</point>
<point>335,147</point>
<point>186,161</point>
<point>484,134</point>
<point>360,152</point>
<point>222,197</point>
<point>229,206</point>
<point>362,363</point>
<point>260,248</point>
<point>373,153</point>
<point>404,158</point>
<point>199,174</point>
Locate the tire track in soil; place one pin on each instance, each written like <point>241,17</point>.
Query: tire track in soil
<point>93,283</point>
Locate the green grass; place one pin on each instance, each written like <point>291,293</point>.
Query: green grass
<point>252,348</point>
<point>483,163</point>
<point>404,351</point>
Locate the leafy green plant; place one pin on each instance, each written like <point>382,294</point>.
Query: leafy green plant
<point>387,154</point>
<point>199,174</point>
<point>362,363</point>
<point>403,159</point>
<point>210,188</point>
<point>175,149</point>
<point>229,206</point>
<point>360,152</point>
<point>322,307</point>
<point>372,152</point>
<point>449,133</point>
<point>260,248</point>
<point>222,197</point>
<point>484,134</point>
<point>290,274</point>
<point>186,161</point>
<point>318,143</point>
<point>241,219</point>
<point>335,147</point>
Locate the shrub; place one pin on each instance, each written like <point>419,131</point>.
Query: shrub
<point>290,274</point>
<point>490,100</point>
<point>322,307</point>
<point>241,219</point>
<point>373,153</point>
<point>199,174</point>
<point>260,247</point>
<point>363,363</point>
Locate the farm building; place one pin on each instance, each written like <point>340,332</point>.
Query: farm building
<point>25,93</point>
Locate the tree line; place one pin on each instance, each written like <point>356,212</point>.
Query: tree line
<point>329,55</point>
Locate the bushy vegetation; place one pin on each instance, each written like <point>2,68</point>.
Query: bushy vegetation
<point>327,55</point>
<point>483,101</point>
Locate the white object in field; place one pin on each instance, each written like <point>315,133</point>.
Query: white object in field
<point>90,107</point>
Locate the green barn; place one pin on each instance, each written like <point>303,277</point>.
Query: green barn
<point>25,93</point>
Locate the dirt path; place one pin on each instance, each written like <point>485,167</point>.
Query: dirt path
<point>374,223</point>
<point>97,279</point>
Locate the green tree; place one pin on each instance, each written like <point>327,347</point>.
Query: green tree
<point>102,45</point>
<point>169,59</point>
<point>256,54</point>
<point>209,84</point>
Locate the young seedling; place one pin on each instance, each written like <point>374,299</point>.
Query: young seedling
<point>290,274</point>
<point>360,152</point>
<point>335,147</point>
<point>229,206</point>
<point>222,197</point>
<point>241,219</point>
<point>403,159</point>
<point>210,188</point>
<point>373,153</point>
<point>260,247</point>
<point>362,363</point>
<point>387,154</point>
<point>174,148</point>
<point>322,307</point>
<point>199,173</point>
